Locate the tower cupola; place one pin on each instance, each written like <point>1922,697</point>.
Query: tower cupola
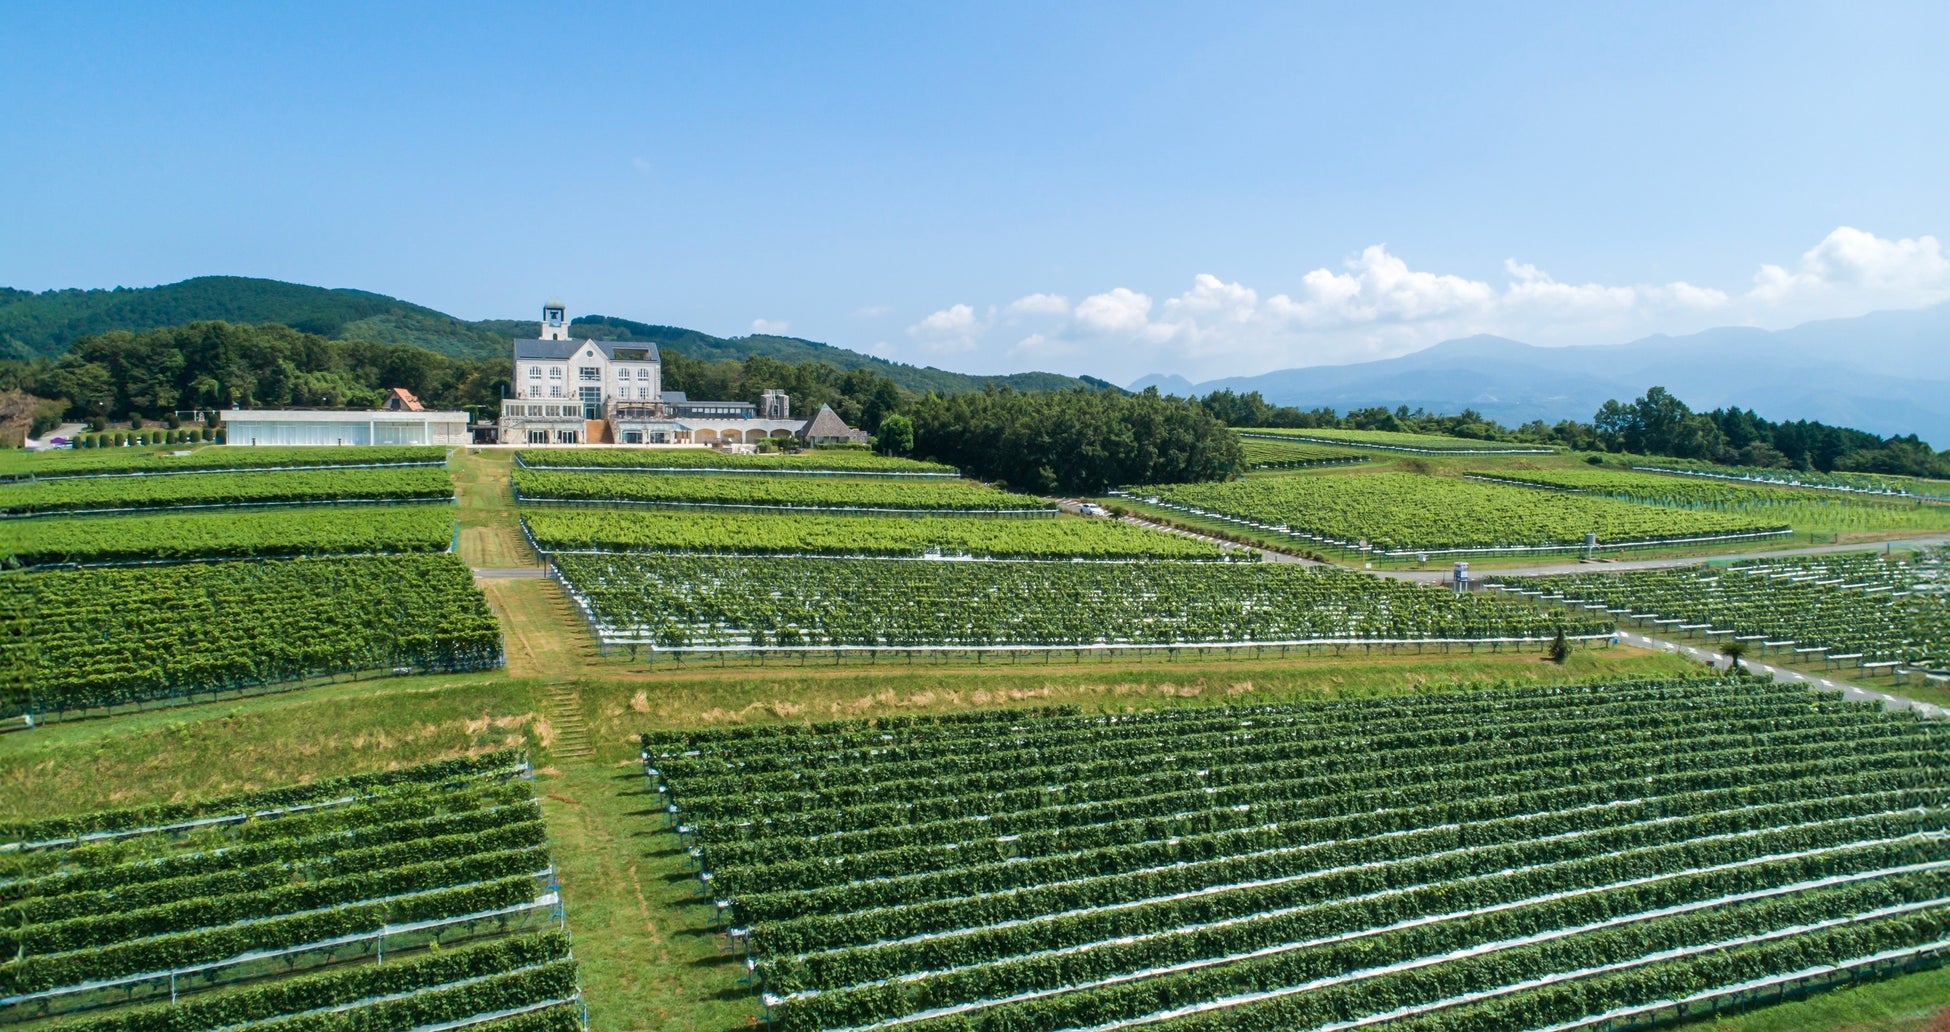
<point>555,320</point>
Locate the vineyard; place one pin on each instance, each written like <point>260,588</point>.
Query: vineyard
<point>693,602</point>
<point>1856,608</point>
<point>107,493</point>
<point>1799,508</point>
<point>252,533</point>
<point>1402,514</point>
<point>1414,444</point>
<point>418,898</point>
<point>103,637</point>
<point>117,461</point>
<point>836,493</point>
<point>1269,451</point>
<point>1850,483</point>
<point>701,459</point>
<point>706,532</point>
<point>1461,861</point>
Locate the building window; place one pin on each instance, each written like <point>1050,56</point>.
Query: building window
<point>534,372</point>
<point>555,373</point>
<point>643,374</point>
<point>538,437</point>
<point>565,437</point>
<point>643,393</point>
<point>589,373</point>
<point>555,391</point>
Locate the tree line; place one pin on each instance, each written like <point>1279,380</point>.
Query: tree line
<point>1656,423</point>
<point>1077,441</point>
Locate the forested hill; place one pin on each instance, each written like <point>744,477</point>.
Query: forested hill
<point>692,344</point>
<point>45,325</point>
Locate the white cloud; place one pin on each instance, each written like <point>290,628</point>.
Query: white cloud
<point>1379,286</point>
<point>954,328</point>
<point>1850,261</point>
<point>1039,304</point>
<point>772,327</point>
<point>1121,310</point>
<point>1377,305</point>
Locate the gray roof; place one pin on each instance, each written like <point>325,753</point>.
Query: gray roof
<point>557,350</point>
<point>827,423</point>
<point>675,397</point>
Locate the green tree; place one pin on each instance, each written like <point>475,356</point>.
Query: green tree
<point>896,436</point>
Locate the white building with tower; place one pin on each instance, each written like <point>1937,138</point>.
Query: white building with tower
<point>571,391</point>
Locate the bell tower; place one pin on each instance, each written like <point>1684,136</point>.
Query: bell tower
<point>555,321</point>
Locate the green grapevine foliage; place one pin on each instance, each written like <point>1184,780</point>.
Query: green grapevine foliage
<point>659,530</point>
<point>1459,857</point>
<point>773,492</point>
<point>207,626</point>
<point>693,601</point>
<point>251,533</point>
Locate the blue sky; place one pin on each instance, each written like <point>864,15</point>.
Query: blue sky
<point>1115,189</point>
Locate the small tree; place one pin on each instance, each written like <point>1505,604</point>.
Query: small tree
<point>1735,651</point>
<point>895,436</point>
<point>1560,649</point>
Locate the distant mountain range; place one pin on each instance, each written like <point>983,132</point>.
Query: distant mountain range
<point>1886,372</point>
<point>36,325</point>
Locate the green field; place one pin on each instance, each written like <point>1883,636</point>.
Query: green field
<point>1406,513</point>
<point>837,493</point>
<point>770,533</point>
<point>648,948</point>
<point>1264,453</point>
<point>1867,483</point>
<point>677,602</point>
<point>203,458</point>
<point>1289,866</point>
<point>103,637</point>
<point>204,534</point>
<point>1388,440</point>
<point>1827,512</point>
<point>1865,607</point>
<point>398,900</point>
<point>281,487</point>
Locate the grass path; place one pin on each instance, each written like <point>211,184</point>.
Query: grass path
<point>490,531</point>
<point>542,637</point>
<point>648,948</point>
<point>1903,1003</point>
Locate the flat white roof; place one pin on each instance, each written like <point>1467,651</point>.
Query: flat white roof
<point>339,416</point>
<point>705,423</point>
